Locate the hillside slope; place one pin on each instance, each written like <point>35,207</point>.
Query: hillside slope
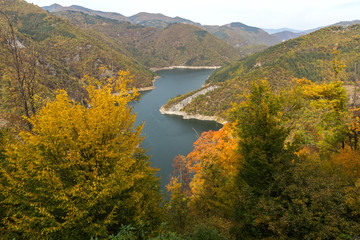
<point>67,52</point>
<point>310,56</point>
<point>247,38</point>
<point>176,44</point>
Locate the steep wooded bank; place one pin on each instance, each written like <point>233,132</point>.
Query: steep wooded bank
<point>64,52</point>
<point>310,56</point>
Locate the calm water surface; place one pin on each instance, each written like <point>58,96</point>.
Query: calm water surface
<point>166,136</point>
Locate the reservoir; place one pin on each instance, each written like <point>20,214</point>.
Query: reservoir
<point>167,136</point>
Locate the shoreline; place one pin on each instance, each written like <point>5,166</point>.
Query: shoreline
<point>187,116</point>
<point>184,67</point>
<point>149,88</point>
<point>176,108</point>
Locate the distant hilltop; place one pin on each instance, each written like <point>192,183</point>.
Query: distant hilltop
<point>248,39</point>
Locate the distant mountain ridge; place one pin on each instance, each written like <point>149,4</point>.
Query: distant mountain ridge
<point>112,15</point>
<point>142,18</point>
<point>176,44</point>
<point>278,30</point>
<point>285,34</point>
<point>150,19</point>
<point>248,39</point>
<point>243,36</point>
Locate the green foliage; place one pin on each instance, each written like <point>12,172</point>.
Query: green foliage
<point>126,233</point>
<point>203,232</point>
<point>309,204</point>
<point>285,194</point>
<point>329,100</point>
<point>259,122</point>
<point>201,34</point>
<point>166,234</point>
<point>311,56</point>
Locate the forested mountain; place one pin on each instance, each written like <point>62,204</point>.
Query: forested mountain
<point>176,44</point>
<point>286,35</point>
<point>111,15</point>
<point>310,56</point>
<point>143,18</point>
<point>247,38</point>
<point>157,20</point>
<point>66,51</point>
<point>54,54</point>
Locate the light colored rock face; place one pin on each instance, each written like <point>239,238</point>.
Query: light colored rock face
<point>176,109</point>
<point>189,116</point>
<point>186,101</point>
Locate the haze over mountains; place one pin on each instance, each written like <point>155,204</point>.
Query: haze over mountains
<point>246,38</point>
<point>174,45</point>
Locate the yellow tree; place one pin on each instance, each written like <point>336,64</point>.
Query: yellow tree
<point>329,99</point>
<point>80,172</point>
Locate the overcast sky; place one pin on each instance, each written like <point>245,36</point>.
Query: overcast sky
<point>299,14</point>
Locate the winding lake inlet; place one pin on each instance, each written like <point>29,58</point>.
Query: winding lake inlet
<point>167,136</point>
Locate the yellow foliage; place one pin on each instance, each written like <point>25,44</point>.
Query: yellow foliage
<point>80,170</point>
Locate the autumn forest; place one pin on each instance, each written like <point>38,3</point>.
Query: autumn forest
<point>284,165</point>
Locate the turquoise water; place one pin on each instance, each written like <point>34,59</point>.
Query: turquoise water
<point>166,136</point>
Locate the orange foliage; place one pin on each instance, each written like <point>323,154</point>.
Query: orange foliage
<point>349,160</point>
<point>213,148</point>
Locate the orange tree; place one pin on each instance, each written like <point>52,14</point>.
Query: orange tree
<point>207,195</point>
<point>80,172</point>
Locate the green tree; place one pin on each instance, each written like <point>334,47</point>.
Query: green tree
<point>80,172</point>
<point>286,193</point>
<point>329,100</point>
<point>260,124</point>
